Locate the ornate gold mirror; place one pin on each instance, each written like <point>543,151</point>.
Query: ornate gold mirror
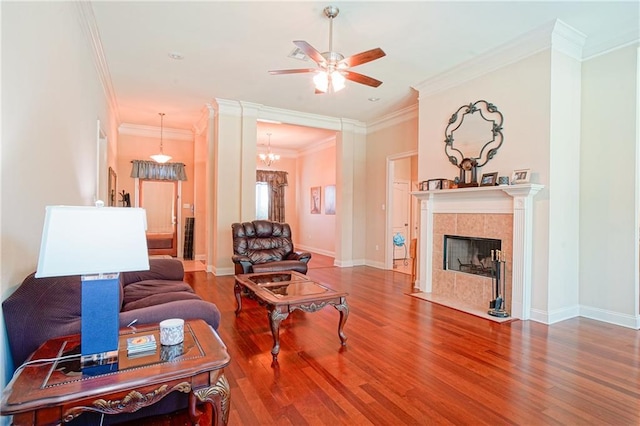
<point>472,138</point>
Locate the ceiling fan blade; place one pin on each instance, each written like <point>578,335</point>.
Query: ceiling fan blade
<point>293,71</point>
<point>362,79</point>
<point>311,52</point>
<point>361,58</point>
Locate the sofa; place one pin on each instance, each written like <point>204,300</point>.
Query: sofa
<point>266,246</point>
<point>43,308</point>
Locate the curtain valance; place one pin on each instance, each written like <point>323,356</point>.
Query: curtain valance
<point>274,178</point>
<point>152,170</point>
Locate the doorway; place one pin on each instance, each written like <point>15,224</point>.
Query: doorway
<point>160,200</point>
<point>402,214</point>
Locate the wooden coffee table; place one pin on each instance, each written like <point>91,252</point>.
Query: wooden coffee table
<point>283,293</point>
<point>57,392</point>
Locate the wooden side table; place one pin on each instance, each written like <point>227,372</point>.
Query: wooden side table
<point>58,392</point>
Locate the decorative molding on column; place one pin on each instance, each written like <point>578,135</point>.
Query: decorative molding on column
<point>522,248</point>
<point>516,199</point>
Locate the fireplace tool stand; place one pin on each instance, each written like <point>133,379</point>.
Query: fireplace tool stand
<point>498,276</point>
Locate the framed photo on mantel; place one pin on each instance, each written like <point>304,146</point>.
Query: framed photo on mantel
<point>489,179</point>
<point>521,176</point>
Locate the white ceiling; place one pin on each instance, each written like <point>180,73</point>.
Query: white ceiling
<point>229,47</point>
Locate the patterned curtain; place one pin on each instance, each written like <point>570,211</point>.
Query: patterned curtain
<point>276,181</point>
<point>152,170</point>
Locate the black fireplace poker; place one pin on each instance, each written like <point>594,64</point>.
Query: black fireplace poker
<point>498,276</point>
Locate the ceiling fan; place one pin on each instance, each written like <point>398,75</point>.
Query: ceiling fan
<point>333,67</point>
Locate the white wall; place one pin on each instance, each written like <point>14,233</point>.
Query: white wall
<point>526,130</point>
<point>609,187</point>
<point>51,99</point>
<point>573,137</point>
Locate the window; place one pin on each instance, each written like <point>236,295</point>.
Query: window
<point>262,200</point>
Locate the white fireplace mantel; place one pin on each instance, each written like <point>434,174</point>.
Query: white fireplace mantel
<point>513,199</point>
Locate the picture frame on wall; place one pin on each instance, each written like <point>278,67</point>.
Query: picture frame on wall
<point>315,193</point>
<point>330,199</point>
<point>489,179</point>
<point>112,188</point>
<point>521,176</point>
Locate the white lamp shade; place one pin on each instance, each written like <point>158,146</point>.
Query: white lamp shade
<point>92,240</point>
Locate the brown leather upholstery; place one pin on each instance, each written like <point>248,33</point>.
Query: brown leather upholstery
<point>265,246</point>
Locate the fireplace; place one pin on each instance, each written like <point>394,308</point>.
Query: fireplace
<point>469,254</point>
<point>503,213</point>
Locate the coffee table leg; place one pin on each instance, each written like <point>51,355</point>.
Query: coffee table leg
<point>344,314</point>
<point>237,289</point>
<point>275,318</point>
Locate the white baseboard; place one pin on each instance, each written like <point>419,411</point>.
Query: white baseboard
<point>558,315</point>
<point>314,250</point>
<point>220,271</point>
<point>375,264</point>
<point>610,317</point>
<point>615,318</point>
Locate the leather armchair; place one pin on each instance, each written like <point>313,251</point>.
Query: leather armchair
<point>265,246</point>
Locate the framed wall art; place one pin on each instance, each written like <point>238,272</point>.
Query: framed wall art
<point>315,199</point>
<point>330,199</point>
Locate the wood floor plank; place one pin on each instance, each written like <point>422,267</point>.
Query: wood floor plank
<point>408,361</point>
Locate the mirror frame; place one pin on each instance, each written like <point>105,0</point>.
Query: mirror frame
<point>489,112</point>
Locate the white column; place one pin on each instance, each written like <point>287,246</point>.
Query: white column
<point>522,249</point>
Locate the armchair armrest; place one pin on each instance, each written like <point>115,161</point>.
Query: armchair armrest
<point>243,264</point>
<point>302,256</point>
<point>236,258</point>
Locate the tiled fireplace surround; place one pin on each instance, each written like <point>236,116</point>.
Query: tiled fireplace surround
<point>500,212</point>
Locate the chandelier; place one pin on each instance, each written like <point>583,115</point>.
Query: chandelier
<point>161,158</point>
<point>269,158</point>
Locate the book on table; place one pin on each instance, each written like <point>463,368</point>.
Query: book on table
<point>138,344</point>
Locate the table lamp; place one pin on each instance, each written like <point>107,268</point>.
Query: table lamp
<point>97,243</point>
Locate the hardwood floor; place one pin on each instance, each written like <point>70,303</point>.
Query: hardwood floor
<point>408,361</point>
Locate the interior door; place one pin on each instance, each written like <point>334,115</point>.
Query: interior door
<point>401,217</point>
<point>159,199</point>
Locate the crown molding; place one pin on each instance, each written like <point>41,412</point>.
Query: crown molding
<point>555,34</point>
<point>227,107</point>
<point>90,29</point>
<point>154,132</point>
<point>206,113</point>
<point>317,147</point>
<point>299,118</point>
<point>394,118</point>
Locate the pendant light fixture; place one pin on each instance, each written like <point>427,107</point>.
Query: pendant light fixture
<point>161,158</point>
<point>269,158</point>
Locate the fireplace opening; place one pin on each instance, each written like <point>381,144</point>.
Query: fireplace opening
<point>468,254</point>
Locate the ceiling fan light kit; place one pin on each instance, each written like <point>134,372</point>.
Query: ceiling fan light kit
<point>333,67</point>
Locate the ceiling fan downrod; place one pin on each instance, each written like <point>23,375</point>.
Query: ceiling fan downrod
<point>331,12</point>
